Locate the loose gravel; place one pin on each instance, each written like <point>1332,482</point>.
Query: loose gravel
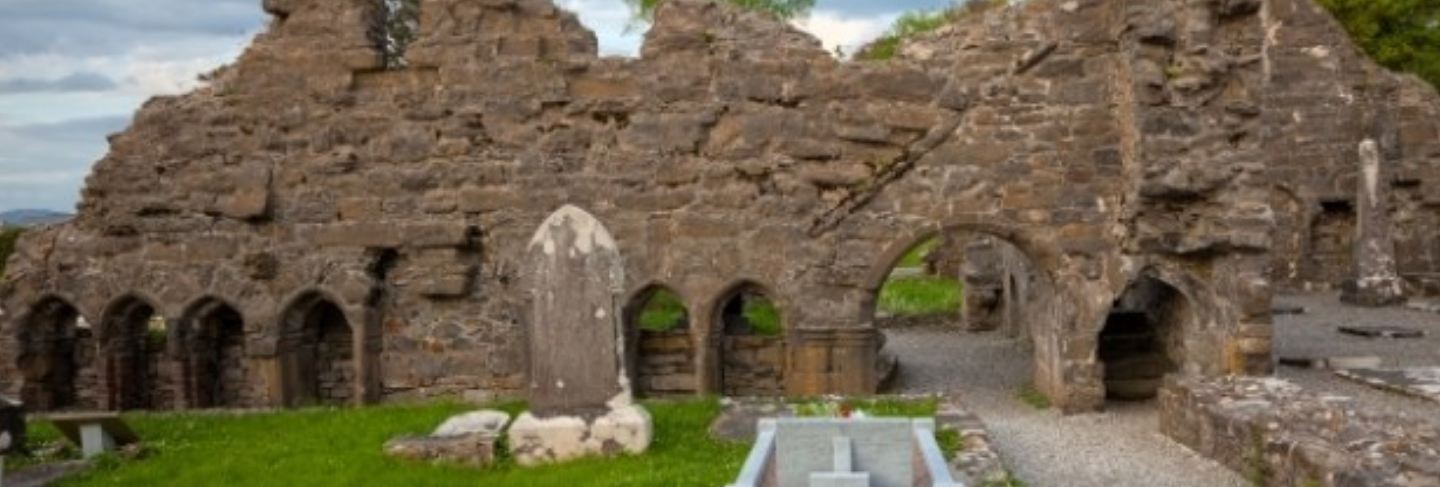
<point>1121,447</point>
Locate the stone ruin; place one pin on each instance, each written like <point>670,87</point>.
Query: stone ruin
<point>319,225</point>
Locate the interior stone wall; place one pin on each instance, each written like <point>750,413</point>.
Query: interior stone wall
<point>1322,98</point>
<point>1103,139</point>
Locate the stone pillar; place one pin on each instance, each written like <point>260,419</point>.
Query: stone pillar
<point>578,389</point>
<point>1375,282</point>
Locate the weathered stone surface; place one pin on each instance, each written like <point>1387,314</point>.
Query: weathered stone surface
<point>1101,139</point>
<point>576,276</point>
<point>1422,382</point>
<point>475,449</point>
<point>486,422</point>
<point>1279,434</point>
<point>540,440</point>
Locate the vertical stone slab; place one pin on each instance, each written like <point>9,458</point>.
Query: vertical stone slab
<point>575,337</point>
<point>1376,281</point>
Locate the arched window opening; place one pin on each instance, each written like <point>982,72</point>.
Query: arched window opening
<point>1143,339</point>
<point>53,345</point>
<point>319,354</point>
<point>663,350</point>
<point>752,344</point>
<point>216,357</point>
<point>134,338</point>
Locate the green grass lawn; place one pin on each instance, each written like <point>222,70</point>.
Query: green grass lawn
<point>343,447</point>
<point>920,296</point>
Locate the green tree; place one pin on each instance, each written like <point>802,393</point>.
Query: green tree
<point>644,10</point>
<point>1403,35</point>
<point>914,23</point>
<point>8,239</point>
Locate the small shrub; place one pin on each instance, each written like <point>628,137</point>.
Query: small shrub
<point>663,311</point>
<point>764,319</point>
<point>1028,394</point>
<point>1009,481</point>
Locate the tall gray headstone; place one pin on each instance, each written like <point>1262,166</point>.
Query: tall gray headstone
<point>576,337</point>
<point>1376,281</point>
<point>579,392</point>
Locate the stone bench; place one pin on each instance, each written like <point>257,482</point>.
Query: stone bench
<point>94,432</point>
<point>829,452</point>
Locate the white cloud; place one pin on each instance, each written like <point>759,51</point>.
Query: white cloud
<point>848,32</point>
<point>610,20</point>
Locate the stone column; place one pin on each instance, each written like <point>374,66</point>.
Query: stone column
<point>1375,282</point>
<point>578,389</point>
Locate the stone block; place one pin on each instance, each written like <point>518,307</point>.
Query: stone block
<point>475,449</point>
<point>488,422</point>
<point>537,441</point>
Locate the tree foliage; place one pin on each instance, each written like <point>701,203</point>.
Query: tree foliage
<point>644,10</point>
<point>8,238</point>
<point>396,29</point>
<point>1403,35</point>
<point>914,23</point>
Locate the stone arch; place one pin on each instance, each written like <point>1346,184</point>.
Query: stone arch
<point>53,349</point>
<point>661,353</point>
<point>212,360</point>
<point>1146,335</point>
<point>317,351</point>
<point>132,336</point>
<point>751,355</point>
<point>1022,290</point>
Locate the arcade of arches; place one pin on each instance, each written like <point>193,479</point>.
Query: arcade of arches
<point>370,240</point>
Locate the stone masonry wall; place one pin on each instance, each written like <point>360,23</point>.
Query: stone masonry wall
<point>734,150</point>
<point>1276,434</point>
<point>1323,98</point>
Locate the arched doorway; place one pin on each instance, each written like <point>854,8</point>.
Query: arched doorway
<point>132,339</point>
<point>752,343</point>
<point>1143,339</point>
<point>318,353</point>
<point>968,278</point>
<point>214,355</point>
<point>52,347</point>
<point>662,351</point>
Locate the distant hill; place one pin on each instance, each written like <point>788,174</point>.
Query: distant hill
<point>30,218</point>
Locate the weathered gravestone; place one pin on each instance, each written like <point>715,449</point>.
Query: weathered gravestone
<point>578,391</point>
<point>1376,281</point>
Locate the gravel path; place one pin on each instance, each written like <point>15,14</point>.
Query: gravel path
<point>1119,448</point>
<point>1312,335</point>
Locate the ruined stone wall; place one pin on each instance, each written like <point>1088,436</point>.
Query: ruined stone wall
<point>734,151</point>
<point>1323,97</point>
<point>1274,433</point>
<point>666,364</point>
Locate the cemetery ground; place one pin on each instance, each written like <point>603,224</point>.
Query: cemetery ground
<point>329,446</point>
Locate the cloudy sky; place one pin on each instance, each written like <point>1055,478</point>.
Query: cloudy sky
<point>72,71</point>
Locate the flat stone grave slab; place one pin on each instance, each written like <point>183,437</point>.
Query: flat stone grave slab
<point>1382,331</point>
<point>1427,305</point>
<point>94,433</point>
<point>1422,382</point>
